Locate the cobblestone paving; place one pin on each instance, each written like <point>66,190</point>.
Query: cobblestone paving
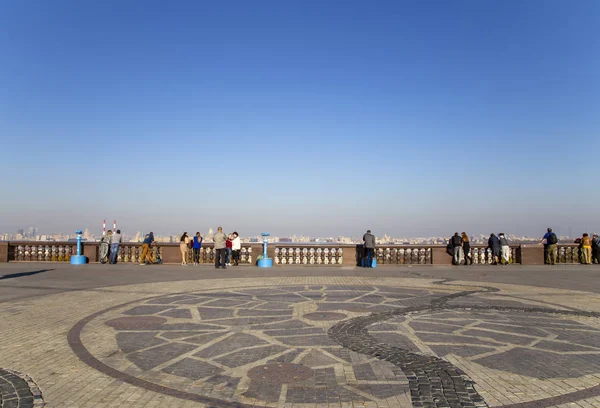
<point>309,342</point>
<point>18,391</point>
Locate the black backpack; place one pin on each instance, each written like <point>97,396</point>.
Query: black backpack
<point>552,239</point>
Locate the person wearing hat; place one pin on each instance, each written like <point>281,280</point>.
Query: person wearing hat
<point>595,249</point>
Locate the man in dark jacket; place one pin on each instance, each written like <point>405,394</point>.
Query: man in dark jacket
<point>595,249</point>
<point>494,245</point>
<point>369,248</point>
<point>456,244</point>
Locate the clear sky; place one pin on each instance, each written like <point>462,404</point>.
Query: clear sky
<point>300,117</point>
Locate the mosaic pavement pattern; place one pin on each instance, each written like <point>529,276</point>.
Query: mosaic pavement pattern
<point>274,346</point>
<point>18,391</point>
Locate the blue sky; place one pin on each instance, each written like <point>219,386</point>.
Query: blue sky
<point>314,117</point>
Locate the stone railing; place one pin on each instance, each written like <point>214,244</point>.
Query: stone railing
<point>568,253</point>
<point>283,254</point>
<point>43,252</point>
<point>32,251</point>
<point>405,255</point>
<point>308,255</point>
<point>483,256</point>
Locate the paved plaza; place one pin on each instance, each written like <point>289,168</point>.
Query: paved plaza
<point>298,337</point>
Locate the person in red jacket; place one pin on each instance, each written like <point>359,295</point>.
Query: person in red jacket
<point>228,245</point>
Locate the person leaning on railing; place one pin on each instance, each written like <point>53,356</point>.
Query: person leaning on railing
<point>146,254</point>
<point>504,248</point>
<point>494,246</point>
<point>595,249</point>
<point>115,242</point>
<point>586,249</point>
<point>456,243</point>
<point>196,247</point>
<point>369,248</point>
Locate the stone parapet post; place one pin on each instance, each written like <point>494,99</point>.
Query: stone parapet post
<point>3,252</point>
<point>349,255</point>
<point>439,256</point>
<point>532,254</point>
<point>169,253</point>
<point>90,249</point>
<point>257,250</point>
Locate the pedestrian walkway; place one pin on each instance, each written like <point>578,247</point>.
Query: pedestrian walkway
<point>170,336</point>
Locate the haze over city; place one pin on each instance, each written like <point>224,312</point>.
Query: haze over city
<point>307,118</point>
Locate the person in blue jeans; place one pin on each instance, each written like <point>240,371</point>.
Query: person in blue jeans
<point>369,248</point>
<point>115,242</point>
<point>196,247</point>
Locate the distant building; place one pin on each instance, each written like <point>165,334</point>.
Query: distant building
<point>285,240</point>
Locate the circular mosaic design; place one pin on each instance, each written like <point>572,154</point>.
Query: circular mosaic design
<point>271,346</point>
<point>210,346</point>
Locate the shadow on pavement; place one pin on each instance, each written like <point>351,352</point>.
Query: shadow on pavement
<point>20,274</point>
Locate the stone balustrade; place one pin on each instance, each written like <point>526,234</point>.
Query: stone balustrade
<point>308,255</point>
<point>44,252</point>
<point>283,253</point>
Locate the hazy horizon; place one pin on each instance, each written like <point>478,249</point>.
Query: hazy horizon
<point>407,118</point>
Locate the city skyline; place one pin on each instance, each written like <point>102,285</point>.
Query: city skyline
<point>138,236</point>
<point>415,118</point>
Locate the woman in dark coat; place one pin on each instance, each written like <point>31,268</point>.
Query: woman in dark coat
<point>467,249</point>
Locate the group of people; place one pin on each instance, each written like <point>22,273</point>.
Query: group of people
<point>589,249</point>
<point>109,246</point>
<point>227,248</point>
<point>460,247</point>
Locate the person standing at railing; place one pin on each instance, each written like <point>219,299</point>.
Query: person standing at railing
<point>369,248</point>
<point>494,246</point>
<point>115,242</point>
<point>550,242</point>
<point>104,255</point>
<point>586,249</point>
<point>505,249</point>
<point>184,242</point>
<point>196,247</point>
<point>595,249</point>
<point>146,254</point>
<point>229,246</point>
<point>456,243</point>
<point>236,247</point>
<point>220,248</point>
<point>466,246</point>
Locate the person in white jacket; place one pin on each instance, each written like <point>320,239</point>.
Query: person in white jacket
<point>236,247</point>
<point>505,248</point>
